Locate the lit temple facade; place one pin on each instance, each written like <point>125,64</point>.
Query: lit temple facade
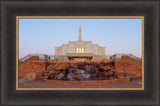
<point>80,50</point>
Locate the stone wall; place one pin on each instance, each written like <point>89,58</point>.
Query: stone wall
<point>31,66</point>
<point>121,67</point>
<point>128,67</point>
<point>33,58</point>
<point>79,83</point>
<point>128,58</point>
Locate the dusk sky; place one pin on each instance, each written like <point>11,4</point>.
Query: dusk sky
<point>40,36</point>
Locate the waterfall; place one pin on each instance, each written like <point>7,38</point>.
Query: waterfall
<point>61,75</point>
<point>70,78</point>
<point>82,75</point>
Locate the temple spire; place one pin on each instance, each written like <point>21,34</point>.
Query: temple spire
<point>80,36</point>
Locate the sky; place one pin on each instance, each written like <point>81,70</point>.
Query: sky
<point>41,36</point>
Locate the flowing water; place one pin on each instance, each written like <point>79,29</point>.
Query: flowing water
<point>61,75</point>
<point>82,74</point>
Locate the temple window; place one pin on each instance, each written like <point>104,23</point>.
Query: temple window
<point>82,50</point>
<point>79,50</point>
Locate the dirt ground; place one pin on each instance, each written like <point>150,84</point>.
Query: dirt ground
<point>41,84</point>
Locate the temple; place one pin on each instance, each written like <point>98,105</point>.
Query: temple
<point>80,50</point>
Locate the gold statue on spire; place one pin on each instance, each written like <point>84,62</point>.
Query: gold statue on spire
<point>79,25</point>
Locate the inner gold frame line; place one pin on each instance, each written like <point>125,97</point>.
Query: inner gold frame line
<point>81,17</point>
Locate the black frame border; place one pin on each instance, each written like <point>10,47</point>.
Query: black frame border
<point>12,8</point>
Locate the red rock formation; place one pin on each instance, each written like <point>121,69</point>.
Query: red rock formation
<point>98,70</point>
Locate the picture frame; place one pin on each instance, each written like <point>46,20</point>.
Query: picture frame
<point>11,9</point>
<point>18,18</point>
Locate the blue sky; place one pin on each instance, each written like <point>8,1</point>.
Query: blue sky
<point>40,36</point>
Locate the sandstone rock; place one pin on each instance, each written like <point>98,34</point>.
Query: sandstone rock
<point>52,76</point>
<point>74,75</point>
<point>93,76</point>
<point>50,67</point>
<point>65,78</point>
<point>91,68</point>
<point>105,73</point>
<point>34,75</point>
<point>64,71</point>
<point>111,78</point>
<point>99,74</point>
<point>80,66</point>
<point>113,70</point>
<point>52,71</point>
<point>39,74</point>
<point>45,77</point>
<point>30,76</point>
<point>110,73</point>
<point>45,74</point>
<point>57,72</point>
<point>106,68</point>
<point>120,75</point>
